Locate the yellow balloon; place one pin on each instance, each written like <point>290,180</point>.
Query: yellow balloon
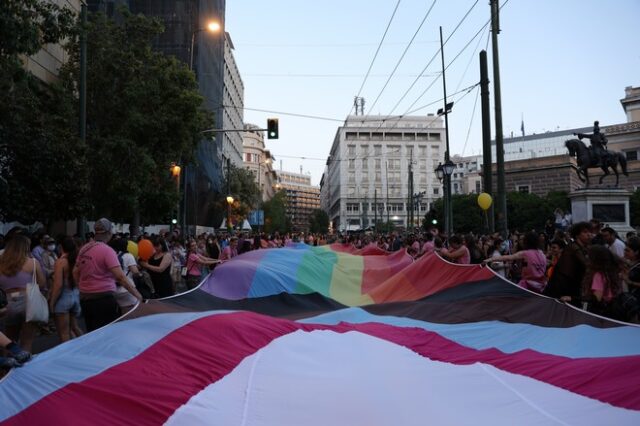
<point>484,201</point>
<point>132,248</point>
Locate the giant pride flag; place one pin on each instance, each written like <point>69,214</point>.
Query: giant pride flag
<point>336,336</point>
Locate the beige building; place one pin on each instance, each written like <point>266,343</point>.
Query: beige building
<point>232,112</point>
<point>302,198</point>
<point>541,163</point>
<point>46,64</point>
<point>259,160</point>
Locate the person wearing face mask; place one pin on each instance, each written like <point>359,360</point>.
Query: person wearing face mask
<point>49,257</point>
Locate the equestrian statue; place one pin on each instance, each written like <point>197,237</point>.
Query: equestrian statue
<point>595,155</point>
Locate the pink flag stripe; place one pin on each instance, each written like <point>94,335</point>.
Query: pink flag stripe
<point>170,372</point>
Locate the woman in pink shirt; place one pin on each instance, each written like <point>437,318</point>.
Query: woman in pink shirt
<point>534,263</point>
<point>602,280</point>
<point>194,262</point>
<point>457,252</point>
<point>231,250</point>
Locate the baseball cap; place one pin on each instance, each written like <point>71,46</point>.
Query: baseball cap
<point>102,226</point>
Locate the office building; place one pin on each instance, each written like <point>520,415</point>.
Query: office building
<point>368,169</point>
<point>302,198</point>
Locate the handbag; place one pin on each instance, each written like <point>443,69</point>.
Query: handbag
<point>37,306</point>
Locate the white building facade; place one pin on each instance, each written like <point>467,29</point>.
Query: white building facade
<point>232,110</point>
<point>367,173</point>
<point>259,160</point>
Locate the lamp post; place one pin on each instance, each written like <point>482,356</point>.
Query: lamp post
<point>212,27</point>
<point>229,202</point>
<point>448,166</point>
<point>175,173</point>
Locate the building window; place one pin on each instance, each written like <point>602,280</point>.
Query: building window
<point>364,149</point>
<point>524,189</point>
<point>393,149</point>
<point>422,151</point>
<point>377,149</point>
<point>352,177</point>
<point>351,191</point>
<point>378,176</point>
<point>365,163</point>
<point>478,187</point>
<point>353,207</point>
<point>378,163</point>
<point>352,163</point>
<point>631,155</point>
<point>351,149</point>
<point>435,191</point>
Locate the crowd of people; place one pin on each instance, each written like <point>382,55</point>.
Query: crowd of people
<point>98,278</point>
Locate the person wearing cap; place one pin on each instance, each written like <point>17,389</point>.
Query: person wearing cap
<point>96,271</point>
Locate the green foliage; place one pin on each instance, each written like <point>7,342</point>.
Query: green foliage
<point>43,174</point>
<point>244,190</point>
<point>634,208</point>
<point>319,221</point>
<point>144,112</point>
<point>27,25</point>
<point>525,211</point>
<point>382,226</point>
<point>275,213</point>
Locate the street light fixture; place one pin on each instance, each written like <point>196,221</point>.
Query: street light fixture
<point>212,27</point>
<point>439,172</point>
<point>229,202</point>
<point>448,167</point>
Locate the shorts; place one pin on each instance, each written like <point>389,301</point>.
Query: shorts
<point>16,308</point>
<point>124,298</point>
<point>68,302</point>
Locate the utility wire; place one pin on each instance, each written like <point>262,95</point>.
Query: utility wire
<point>435,55</point>
<point>404,53</point>
<point>378,49</point>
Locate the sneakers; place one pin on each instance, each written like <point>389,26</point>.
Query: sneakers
<point>17,353</point>
<point>8,363</point>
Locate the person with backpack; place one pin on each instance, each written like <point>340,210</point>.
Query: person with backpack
<point>96,272</point>
<point>129,266</point>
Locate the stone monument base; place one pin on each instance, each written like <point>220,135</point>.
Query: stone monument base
<point>609,205</point>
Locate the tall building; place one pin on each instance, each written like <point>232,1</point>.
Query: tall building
<point>259,160</point>
<point>187,38</point>
<point>302,198</point>
<point>232,108</point>
<point>367,173</point>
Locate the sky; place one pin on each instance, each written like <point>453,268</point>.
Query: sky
<point>563,64</point>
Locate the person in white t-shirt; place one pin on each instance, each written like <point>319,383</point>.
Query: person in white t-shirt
<point>125,300</point>
<point>610,237</point>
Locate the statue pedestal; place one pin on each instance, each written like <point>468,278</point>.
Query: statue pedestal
<point>610,206</point>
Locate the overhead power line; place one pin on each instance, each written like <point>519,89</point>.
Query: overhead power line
<point>404,53</point>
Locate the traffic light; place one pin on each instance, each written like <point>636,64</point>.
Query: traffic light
<point>272,128</point>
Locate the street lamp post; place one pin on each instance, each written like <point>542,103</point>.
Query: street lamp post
<point>448,166</point>
<point>229,202</point>
<point>212,27</point>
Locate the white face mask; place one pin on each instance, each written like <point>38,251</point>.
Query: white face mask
<point>51,247</point>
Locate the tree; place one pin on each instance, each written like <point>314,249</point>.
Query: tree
<point>319,221</point>
<point>275,213</point>
<point>144,112</point>
<point>43,174</point>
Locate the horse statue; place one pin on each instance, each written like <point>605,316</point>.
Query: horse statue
<point>587,160</point>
